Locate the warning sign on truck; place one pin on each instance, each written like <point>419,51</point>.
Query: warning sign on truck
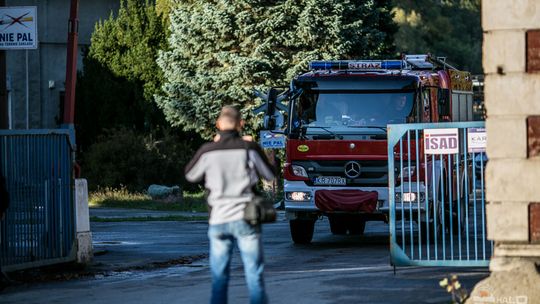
<point>441,141</point>
<point>271,140</point>
<point>18,28</point>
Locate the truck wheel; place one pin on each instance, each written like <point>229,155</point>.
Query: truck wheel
<point>302,231</point>
<point>430,228</point>
<point>357,227</point>
<point>458,219</point>
<point>337,225</point>
<point>453,217</point>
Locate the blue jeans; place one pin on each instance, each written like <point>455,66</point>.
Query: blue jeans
<point>248,238</point>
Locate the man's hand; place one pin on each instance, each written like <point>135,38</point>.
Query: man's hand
<point>216,138</point>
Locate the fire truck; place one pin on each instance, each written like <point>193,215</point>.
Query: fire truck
<point>336,130</point>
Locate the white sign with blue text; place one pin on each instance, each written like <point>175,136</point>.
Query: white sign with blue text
<point>476,140</point>
<point>441,141</point>
<point>18,28</point>
<point>271,140</point>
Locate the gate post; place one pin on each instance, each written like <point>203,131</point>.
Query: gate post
<point>84,236</point>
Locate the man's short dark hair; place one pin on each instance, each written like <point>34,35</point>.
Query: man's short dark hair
<point>230,112</point>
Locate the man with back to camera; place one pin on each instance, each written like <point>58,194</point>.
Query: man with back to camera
<point>230,167</point>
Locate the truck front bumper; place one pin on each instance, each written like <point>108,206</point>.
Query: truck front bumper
<point>307,204</point>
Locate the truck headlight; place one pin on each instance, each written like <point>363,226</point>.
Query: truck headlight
<point>410,197</point>
<point>299,171</point>
<point>407,172</point>
<point>298,196</point>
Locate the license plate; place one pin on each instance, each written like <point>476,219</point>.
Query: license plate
<point>330,180</point>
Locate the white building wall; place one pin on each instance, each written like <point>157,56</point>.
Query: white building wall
<point>47,64</point>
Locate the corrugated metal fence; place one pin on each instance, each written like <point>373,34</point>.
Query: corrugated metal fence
<point>39,227</point>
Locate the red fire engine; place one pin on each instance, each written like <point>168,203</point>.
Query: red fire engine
<point>336,151</point>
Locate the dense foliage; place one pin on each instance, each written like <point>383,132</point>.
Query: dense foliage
<point>449,28</point>
<point>128,44</point>
<point>124,158</point>
<point>122,135</point>
<point>220,50</point>
<point>120,74</point>
<point>164,7</point>
<point>105,101</point>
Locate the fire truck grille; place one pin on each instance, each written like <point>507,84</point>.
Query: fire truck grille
<point>373,173</point>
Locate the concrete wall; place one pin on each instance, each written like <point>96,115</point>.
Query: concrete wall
<point>47,64</point>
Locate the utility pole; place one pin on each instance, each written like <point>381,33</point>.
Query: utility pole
<point>71,65</point>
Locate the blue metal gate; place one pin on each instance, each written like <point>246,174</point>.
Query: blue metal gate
<point>39,227</point>
<point>436,193</point>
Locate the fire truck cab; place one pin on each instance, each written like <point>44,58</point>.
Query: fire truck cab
<point>336,151</point>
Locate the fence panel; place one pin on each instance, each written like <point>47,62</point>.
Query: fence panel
<point>436,191</point>
<point>39,227</point>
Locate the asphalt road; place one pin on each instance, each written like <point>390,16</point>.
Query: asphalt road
<point>333,269</point>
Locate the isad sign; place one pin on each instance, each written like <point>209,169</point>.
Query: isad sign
<point>441,141</point>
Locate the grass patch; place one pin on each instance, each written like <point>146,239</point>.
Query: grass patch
<point>121,198</point>
<point>169,218</point>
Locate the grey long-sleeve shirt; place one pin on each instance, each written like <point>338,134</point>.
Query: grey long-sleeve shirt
<point>223,167</point>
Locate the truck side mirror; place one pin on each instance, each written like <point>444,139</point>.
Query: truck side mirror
<point>272,108</point>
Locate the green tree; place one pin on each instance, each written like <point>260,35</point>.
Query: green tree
<point>164,7</point>
<point>122,135</point>
<point>220,50</point>
<point>448,28</point>
<point>128,44</point>
<point>105,101</point>
<point>120,74</point>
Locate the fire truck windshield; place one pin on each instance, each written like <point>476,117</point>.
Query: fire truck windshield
<point>343,109</point>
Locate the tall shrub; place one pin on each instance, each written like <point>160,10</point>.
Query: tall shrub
<point>124,158</point>
<point>120,75</point>
<point>128,44</point>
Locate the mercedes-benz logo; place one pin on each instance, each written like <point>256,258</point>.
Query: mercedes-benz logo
<point>352,169</point>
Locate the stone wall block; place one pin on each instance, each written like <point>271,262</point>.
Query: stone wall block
<point>507,137</point>
<point>513,180</point>
<point>516,282</point>
<point>505,221</point>
<point>504,50</point>
<point>512,94</point>
<point>510,14</point>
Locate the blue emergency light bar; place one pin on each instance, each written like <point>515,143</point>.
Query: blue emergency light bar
<point>359,65</point>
